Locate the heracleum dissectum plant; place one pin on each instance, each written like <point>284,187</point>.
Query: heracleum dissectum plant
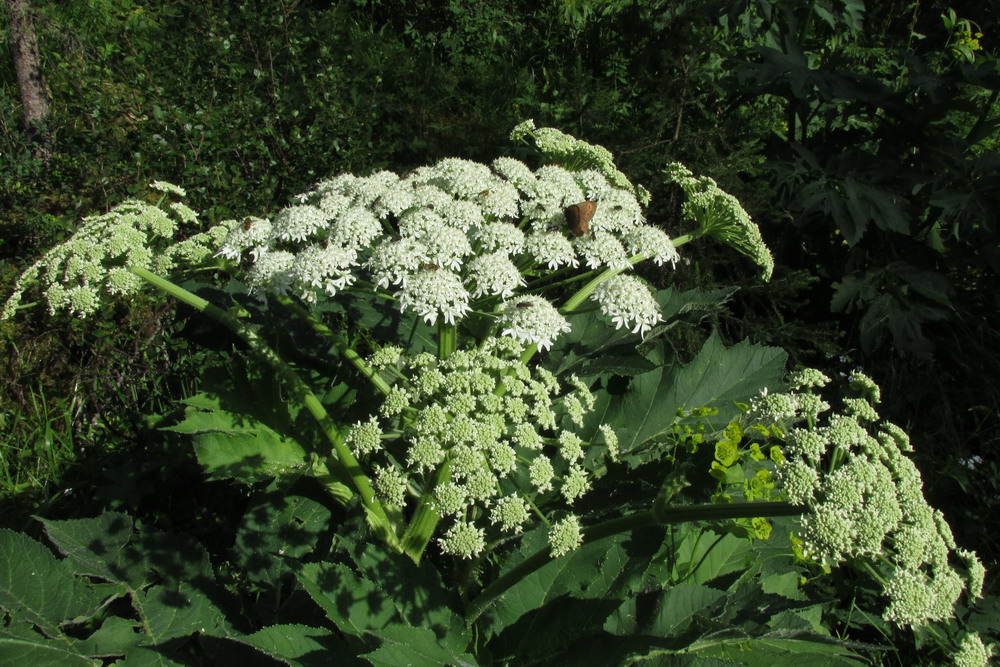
<point>444,242</point>
<point>477,434</point>
<point>474,445</point>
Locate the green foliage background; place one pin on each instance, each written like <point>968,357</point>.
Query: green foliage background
<point>866,151</point>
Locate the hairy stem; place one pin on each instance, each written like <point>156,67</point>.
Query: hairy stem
<point>345,467</point>
<point>425,518</point>
<point>341,344</point>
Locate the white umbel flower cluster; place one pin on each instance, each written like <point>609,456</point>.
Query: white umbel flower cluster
<point>865,498</point>
<point>79,274</point>
<point>478,432</point>
<point>460,237</point>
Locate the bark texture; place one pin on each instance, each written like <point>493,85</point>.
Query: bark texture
<point>28,67</point>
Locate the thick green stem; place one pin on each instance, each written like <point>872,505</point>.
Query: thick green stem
<point>425,518</point>
<point>650,518</point>
<point>337,340</point>
<point>342,462</point>
<point>687,238</point>
<point>447,339</point>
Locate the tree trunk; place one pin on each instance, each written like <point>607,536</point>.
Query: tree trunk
<point>28,66</point>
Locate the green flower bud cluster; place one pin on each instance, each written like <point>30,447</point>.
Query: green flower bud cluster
<point>484,437</point>
<point>577,155</point>
<point>865,499</point>
<point>93,264</point>
<point>721,216</point>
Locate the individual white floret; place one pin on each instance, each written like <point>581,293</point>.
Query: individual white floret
<point>355,229</point>
<point>500,236</point>
<point>448,247</point>
<point>799,481</point>
<point>297,223</point>
<point>595,185</point>
<point>463,539</point>
<point>327,269</point>
<point>168,188</point>
<point>394,260</point>
<point>390,484</point>
<point>617,212</point>
<point>575,483</point>
<point>365,437</point>
<point>972,652</point>
<point>425,454</point>
<point>515,171</point>
<point>511,512</point>
<point>808,378</point>
<point>272,272</point>
<point>367,189</point>
<point>556,187</point>
<point>333,204</point>
<point>251,233</point>
<point>540,472</point>
<point>610,441</point>
<point>184,213</point>
<point>450,499</point>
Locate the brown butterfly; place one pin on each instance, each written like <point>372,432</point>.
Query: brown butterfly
<point>578,216</point>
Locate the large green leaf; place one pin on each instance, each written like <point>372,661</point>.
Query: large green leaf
<point>569,574</point>
<point>237,445</point>
<point>245,427</point>
<point>299,645</point>
<point>699,556</point>
<point>416,647</point>
<point>718,377</point>
<point>417,591</point>
<point>354,604</point>
<point>791,649</point>
<point>38,588</point>
<point>39,651</point>
<point>669,613</point>
<point>168,612</point>
<point>277,525</point>
<point>101,547</point>
<point>387,323</point>
<point>541,634</point>
<point>594,347</point>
